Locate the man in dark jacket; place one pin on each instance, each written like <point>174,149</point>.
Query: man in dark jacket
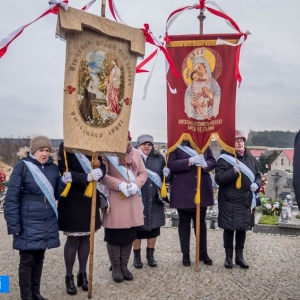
<point>183,164</point>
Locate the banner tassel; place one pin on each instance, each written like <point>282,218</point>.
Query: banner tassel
<point>163,190</point>
<point>89,189</point>
<point>68,186</point>
<point>197,198</point>
<point>238,183</point>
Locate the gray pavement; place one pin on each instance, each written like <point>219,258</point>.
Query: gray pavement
<point>274,271</point>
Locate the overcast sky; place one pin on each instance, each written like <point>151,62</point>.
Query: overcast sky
<point>32,70</point>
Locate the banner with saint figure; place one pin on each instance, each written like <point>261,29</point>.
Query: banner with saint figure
<point>204,105</point>
<point>100,66</point>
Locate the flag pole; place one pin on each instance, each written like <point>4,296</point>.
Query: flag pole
<point>96,164</point>
<point>103,8</point>
<point>201,18</point>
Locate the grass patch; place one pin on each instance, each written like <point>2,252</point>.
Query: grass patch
<point>268,220</point>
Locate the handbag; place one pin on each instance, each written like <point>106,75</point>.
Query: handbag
<point>104,202</point>
<point>258,201</point>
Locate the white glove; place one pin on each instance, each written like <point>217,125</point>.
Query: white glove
<point>123,189</point>
<point>203,163</point>
<point>133,189</point>
<point>166,171</point>
<point>97,174</point>
<point>67,177</point>
<point>237,168</point>
<point>197,159</point>
<point>254,187</point>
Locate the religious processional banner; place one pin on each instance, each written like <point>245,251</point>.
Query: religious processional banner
<point>204,105</point>
<point>100,66</point>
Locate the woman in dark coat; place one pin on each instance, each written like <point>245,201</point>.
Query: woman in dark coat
<point>154,213</point>
<point>236,206</point>
<point>74,216</point>
<point>183,183</point>
<point>31,216</point>
<point>296,167</point>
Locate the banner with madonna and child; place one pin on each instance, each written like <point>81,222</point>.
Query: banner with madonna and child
<point>204,105</point>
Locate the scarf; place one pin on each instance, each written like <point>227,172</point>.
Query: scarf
<point>131,165</point>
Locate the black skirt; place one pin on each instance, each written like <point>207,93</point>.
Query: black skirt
<point>120,236</point>
<point>148,234</point>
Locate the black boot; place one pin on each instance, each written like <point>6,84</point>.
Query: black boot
<point>38,297</point>
<point>228,258</point>
<point>137,259</point>
<point>114,252</point>
<point>25,270</point>
<point>239,259</point>
<point>151,261</point>
<point>125,254</point>
<point>82,281</point>
<point>205,258</point>
<point>70,286</point>
<point>186,260</point>
<point>36,275</point>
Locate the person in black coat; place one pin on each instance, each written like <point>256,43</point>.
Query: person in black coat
<point>296,166</point>
<point>31,214</point>
<point>74,215</point>
<point>183,164</point>
<point>236,205</point>
<point>154,213</point>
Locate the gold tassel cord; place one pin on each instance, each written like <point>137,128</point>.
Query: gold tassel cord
<point>68,186</point>
<point>89,189</point>
<point>197,198</point>
<point>238,182</point>
<point>163,190</point>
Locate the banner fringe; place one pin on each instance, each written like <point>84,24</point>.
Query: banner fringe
<point>197,43</point>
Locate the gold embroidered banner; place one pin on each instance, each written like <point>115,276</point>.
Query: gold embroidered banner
<point>204,105</point>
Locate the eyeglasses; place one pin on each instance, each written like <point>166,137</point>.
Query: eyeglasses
<point>239,141</point>
<point>146,144</point>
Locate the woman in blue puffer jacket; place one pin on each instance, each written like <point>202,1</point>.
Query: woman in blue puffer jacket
<point>31,213</point>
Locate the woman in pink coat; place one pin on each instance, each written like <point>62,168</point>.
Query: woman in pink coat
<point>126,208</point>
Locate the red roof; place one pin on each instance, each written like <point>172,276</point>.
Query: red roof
<point>257,152</point>
<point>289,154</point>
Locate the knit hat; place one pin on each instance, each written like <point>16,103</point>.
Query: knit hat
<point>38,142</point>
<point>239,135</point>
<point>144,138</point>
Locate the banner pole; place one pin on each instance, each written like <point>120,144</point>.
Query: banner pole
<point>103,8</point>
<point>198,222</point>
<point>201,18</point>
<point>96,164</point>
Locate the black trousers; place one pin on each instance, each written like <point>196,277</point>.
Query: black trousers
<point>184,229</point>
<point>240,238</point>
<point>30,272</point>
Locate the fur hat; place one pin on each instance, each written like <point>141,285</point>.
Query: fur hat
<point>144,138</point>
<point>38,142</point>
<point>239,135</point>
